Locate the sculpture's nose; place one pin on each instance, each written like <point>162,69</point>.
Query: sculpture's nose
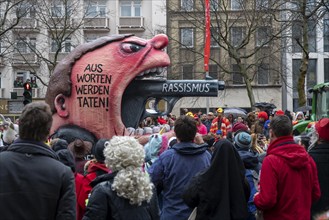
<point>159,41</point>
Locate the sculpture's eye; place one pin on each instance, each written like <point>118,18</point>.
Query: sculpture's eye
<point>131,47</point>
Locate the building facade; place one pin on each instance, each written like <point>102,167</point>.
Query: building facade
<point>318,47</point>
<point>245,50</point>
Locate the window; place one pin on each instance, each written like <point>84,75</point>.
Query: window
<point>67,45</point>
<point>326,70</point>
<point>188,71</point>
<point>21,79</point>
<point>214,37</point>
<point>131,8</point>
<point>236,75</point>
<point>187,5</point>
<point>32,44</point>
<point>25,10</point>
<point>54,46</point>
<point>262,36</point>
<point>326,35</point>
<point>58,9</point>
<point>297,33</point>
<point>213,71</point>
<point>25,44</point>
<point>311,79</point>
<point>237,36</point>
<point>312,35</point>
<point>62,47</point>
<point>186,37</point>
<point>214,5</point>
<point>95,9</point>
<point>311,74</point>
<point>262,4</point>
<point>263,74</point>
<point>237,4</point>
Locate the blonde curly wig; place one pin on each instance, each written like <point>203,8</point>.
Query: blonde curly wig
<point>125,155</point>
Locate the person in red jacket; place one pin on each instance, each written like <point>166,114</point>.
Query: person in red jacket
<point>288,180</point>
<point>94,168</point>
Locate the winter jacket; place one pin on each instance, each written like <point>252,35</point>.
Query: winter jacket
<point>34,184</point>
<point>223,125</point>
<point>173,171</point>
<point>320,154</point>
<point>288,182</point>
<point>105,204</point>
<point>94,169</point>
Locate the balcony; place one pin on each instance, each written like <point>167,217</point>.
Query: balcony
<point>96,23</point>
<point>59,23</point>
<point>20,91</point>
<point>131,24</point>
<point>59,57</point>
<point>26,59</point>
<point>28,24</point>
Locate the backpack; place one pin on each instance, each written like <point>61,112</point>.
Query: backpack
<point>253,179</point>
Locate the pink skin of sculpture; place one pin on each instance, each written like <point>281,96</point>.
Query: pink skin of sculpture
<point>120,62</point>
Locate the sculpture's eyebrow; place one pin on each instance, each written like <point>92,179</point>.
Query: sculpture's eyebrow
<point>138,41</point>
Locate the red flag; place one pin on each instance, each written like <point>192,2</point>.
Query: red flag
<point>208,36</point>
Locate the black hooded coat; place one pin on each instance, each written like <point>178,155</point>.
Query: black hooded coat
<point>221,192</point>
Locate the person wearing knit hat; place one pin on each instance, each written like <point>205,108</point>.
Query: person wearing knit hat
<point>262,115</point>
<point>93,169</point>
<point>243,143</point>
<point>242,140</point>
<point>320,154</point>
<point>279,112</point>
<point>258,126</point>
<point>97,150</point>
<point>239,126</point>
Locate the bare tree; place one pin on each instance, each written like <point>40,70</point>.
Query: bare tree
<point>246,40</point>
<point>8,9</point>
<point>305,15</point>
<point>49,30</point>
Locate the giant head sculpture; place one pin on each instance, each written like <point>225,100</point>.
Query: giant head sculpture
<point>87,87</point>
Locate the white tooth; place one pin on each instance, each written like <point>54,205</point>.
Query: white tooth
<point>141,74</point>
<point>154,69</point>
<point>147,71</point>
<point>160,69</point>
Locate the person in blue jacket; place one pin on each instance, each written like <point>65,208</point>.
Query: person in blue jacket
<point>176,166</point>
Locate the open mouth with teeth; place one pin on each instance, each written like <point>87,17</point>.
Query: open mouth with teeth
<point>137,94</point>
<point>154,72</point>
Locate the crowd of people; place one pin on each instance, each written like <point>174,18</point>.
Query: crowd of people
<point>194,166</point>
